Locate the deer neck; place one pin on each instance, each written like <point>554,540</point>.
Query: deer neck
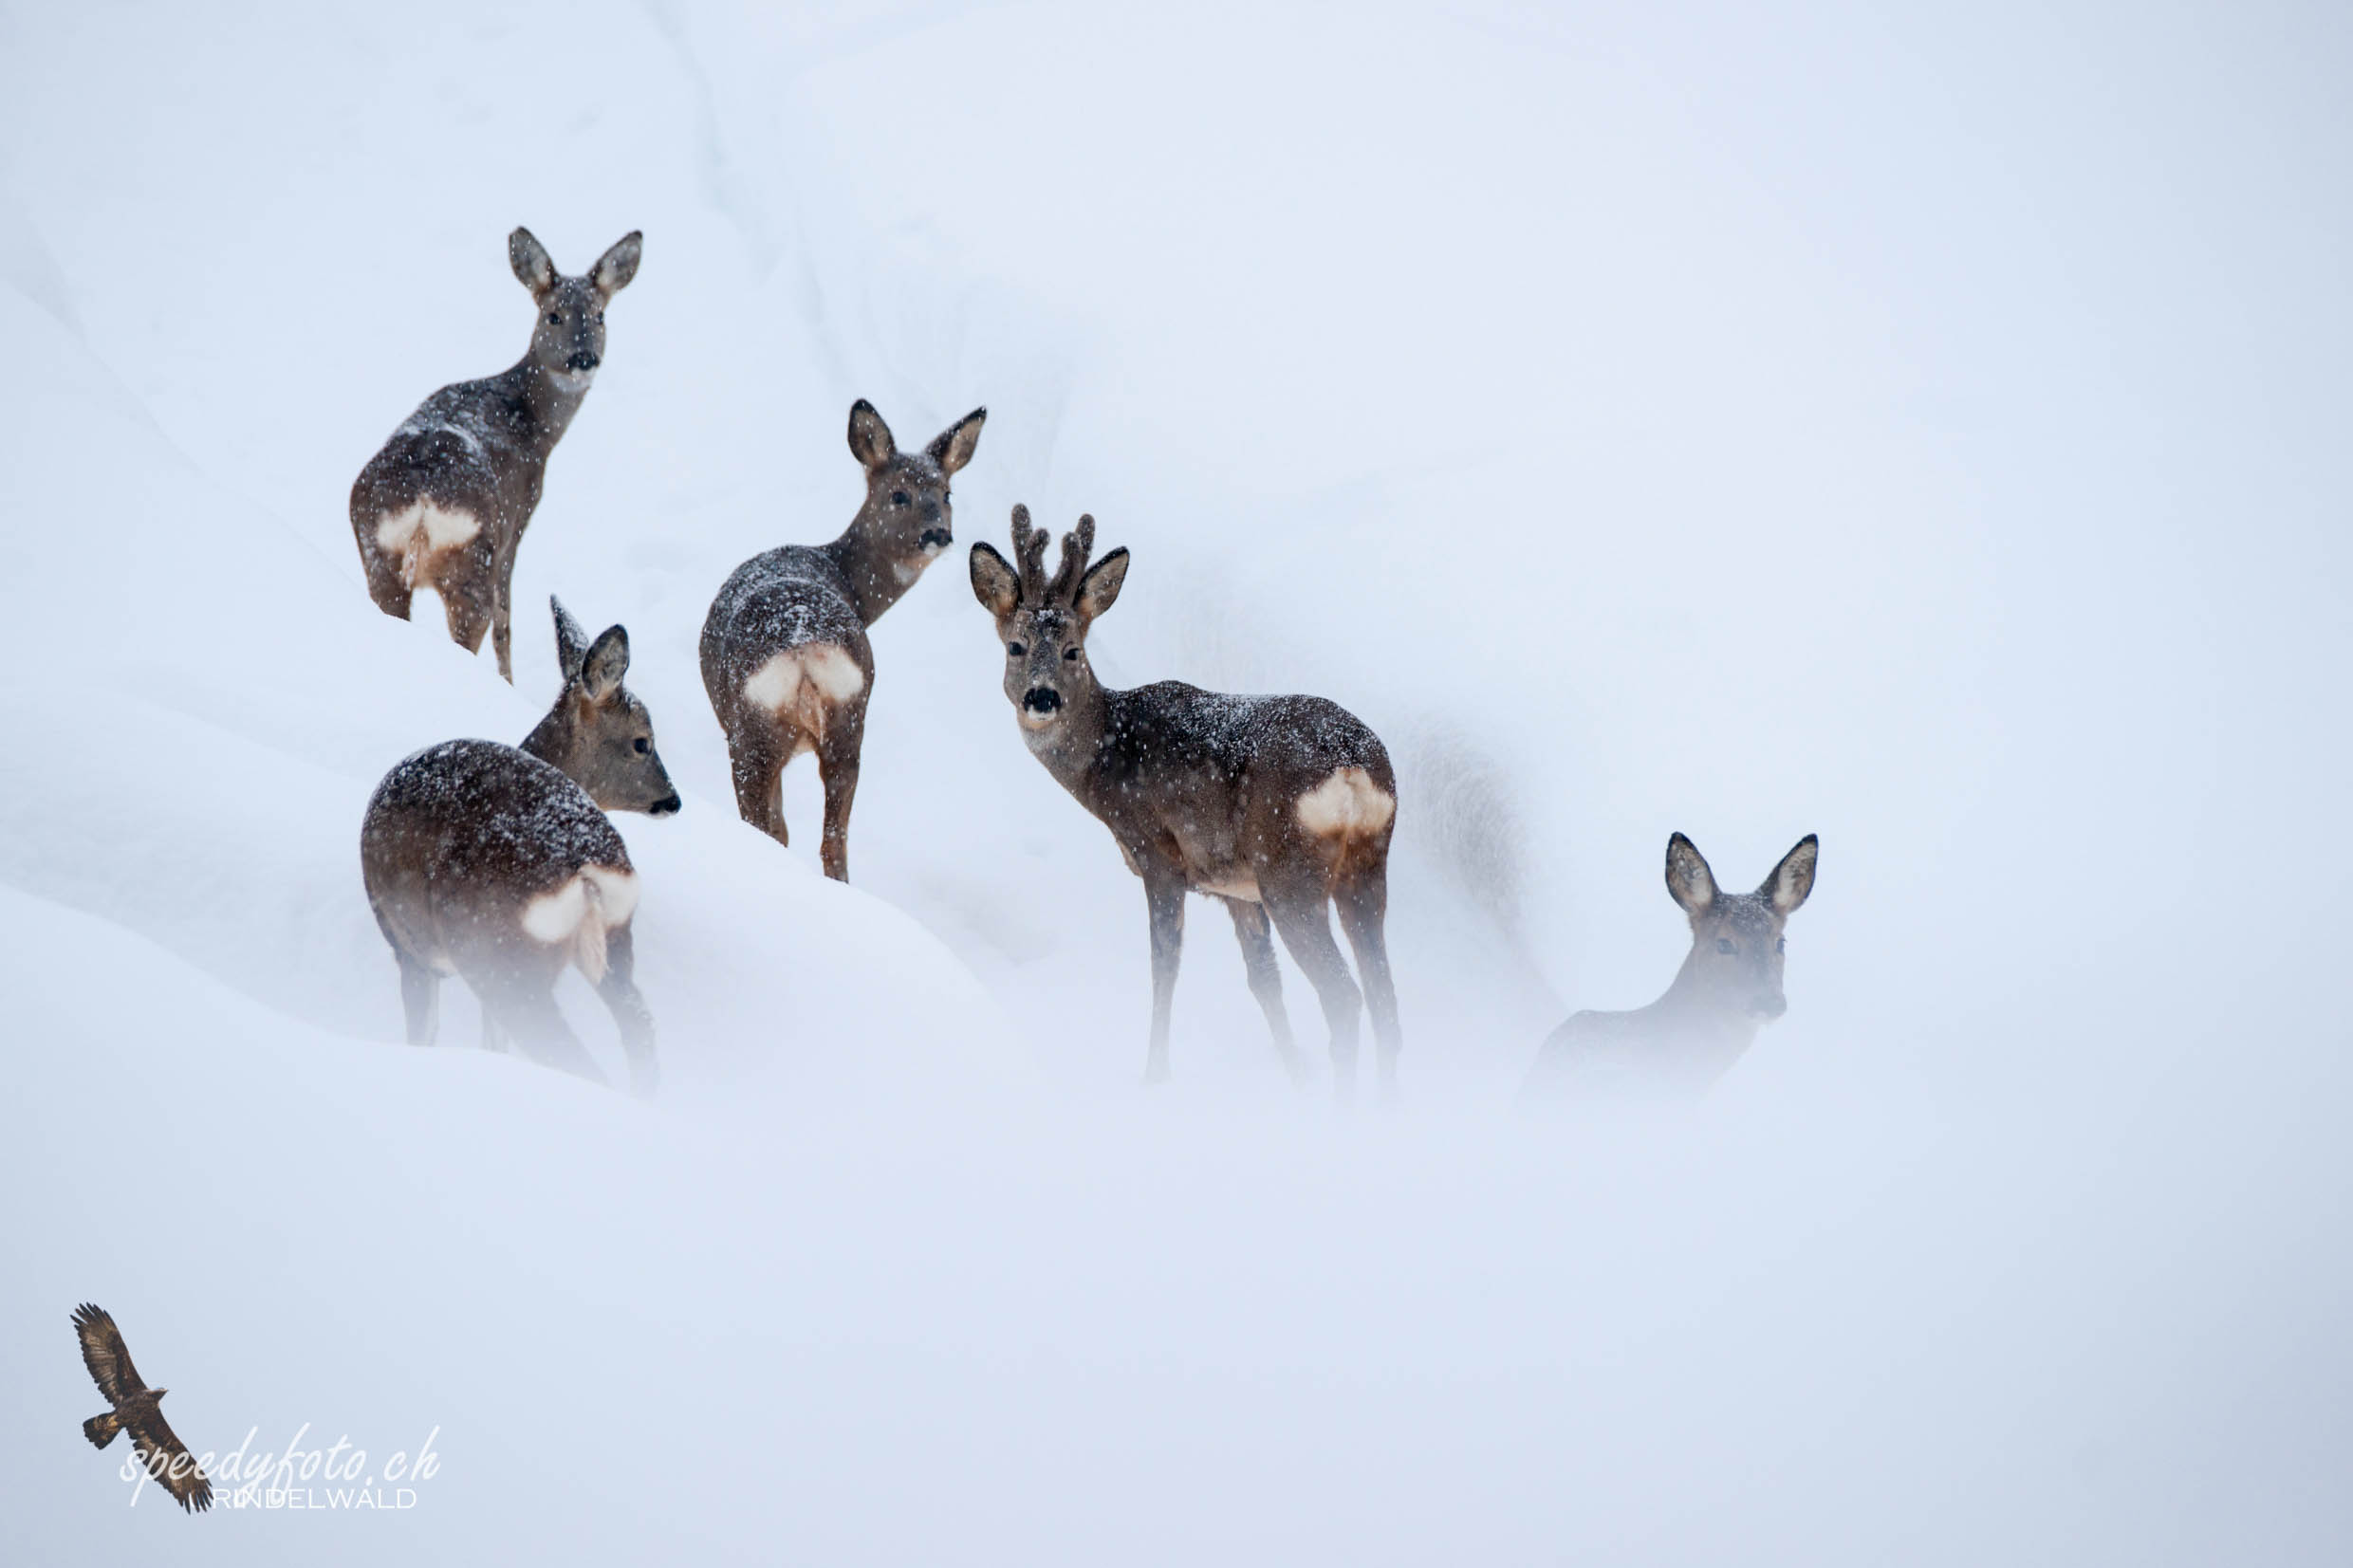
<point>1070,747</point>
<point>551,740</point>
<point>1693,1007</point>
<point>549,399</point>
<point>876,581</point>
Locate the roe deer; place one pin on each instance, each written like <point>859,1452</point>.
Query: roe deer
<point>496,863</point>
<point>784,654</point>
<point>1278,806</point>
<point>1728,988</point>
<point>444,505</point>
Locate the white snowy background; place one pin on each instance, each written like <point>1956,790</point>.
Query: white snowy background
<point>1929,433</point>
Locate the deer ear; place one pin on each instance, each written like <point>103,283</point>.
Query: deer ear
<point>1100,588</point>
<point>1793,879</point>
<point>870,439</point>
<point>618,266</point>
<point>1689,880</point>
<point>571,642</point>
<point>603,666</point>
<point>952,448</point>
<point>534,269</point>
<point>994,582</point>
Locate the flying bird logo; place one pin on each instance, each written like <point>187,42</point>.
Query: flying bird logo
<point>136,1409</point>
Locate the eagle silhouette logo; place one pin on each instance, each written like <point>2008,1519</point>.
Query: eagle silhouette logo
<point>137,1411</point>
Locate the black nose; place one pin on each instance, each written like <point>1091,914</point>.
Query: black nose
<point>583,361</point>
<point>667,807</point>
<point>940,537</point>
<point>1042,699</point>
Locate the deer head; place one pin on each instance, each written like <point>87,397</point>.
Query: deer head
<point>1736,952</point>
<point>1044,622</point>
<point>907,521</point>
<point>568,342</point>
<point>599,733</point>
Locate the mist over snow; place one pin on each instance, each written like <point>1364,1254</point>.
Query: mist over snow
<point>1925,433</point>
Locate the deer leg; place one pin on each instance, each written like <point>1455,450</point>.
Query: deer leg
<point>1363,900</point>
<point>756,755</point>
<point>1300,914</point>
<point>468,619</point>
<point>529,1013</point>
<point>1266,979</point>
<point>421,999</point>
<point>619,991</point>
<point>518,1001</point>
<point>1164,894</point>
<point>384,586</point>
<point>502,632</point>
<point>837,765</point>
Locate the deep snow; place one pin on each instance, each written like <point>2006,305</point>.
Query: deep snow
<point>1924,434</point>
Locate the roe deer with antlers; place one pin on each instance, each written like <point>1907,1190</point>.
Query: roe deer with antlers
<point>1728,988</point>
<point>444,505</point>
<point>784,654</point>
<point>496,863</point>
<point>1280,807</point>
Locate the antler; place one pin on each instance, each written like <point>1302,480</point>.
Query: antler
<point>1076,548</point>
<point>1029,556</point>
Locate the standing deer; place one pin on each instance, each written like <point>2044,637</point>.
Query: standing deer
<point>784,654</point>
<point>1279,806</point>
<point>496,863</point>
<point>444,505</point>
<point>1728,988</point>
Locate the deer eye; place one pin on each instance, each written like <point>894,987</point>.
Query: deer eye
<point>600,318</point>
<point>899,498</point>
<point>643,746</point>
<point>1723,944</point>
<point>1015,649</point>
<point>555,317</point>
<point>1071,654</point>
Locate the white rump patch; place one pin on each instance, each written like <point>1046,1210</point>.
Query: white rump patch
<point>553,917</point>
<point>618,890</point>
<point>421,531</point>
<point>800,685</point>
<point>579,913</point>
<point>1346,806</point>
<point>833,671</point>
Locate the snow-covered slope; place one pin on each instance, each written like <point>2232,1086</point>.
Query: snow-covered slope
<point>1925,435</point>
<point>212,718</point>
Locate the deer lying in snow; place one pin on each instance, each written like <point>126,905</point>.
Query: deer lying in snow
<point>1278,806</point>
<point>785,653</point>
<point>444,505</point>
<point>495,863</point>
<point>1728,988</point>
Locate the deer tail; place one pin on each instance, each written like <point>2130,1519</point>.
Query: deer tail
<point>588,938</point>
<point>412,558</point>
<point>579,914</point>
